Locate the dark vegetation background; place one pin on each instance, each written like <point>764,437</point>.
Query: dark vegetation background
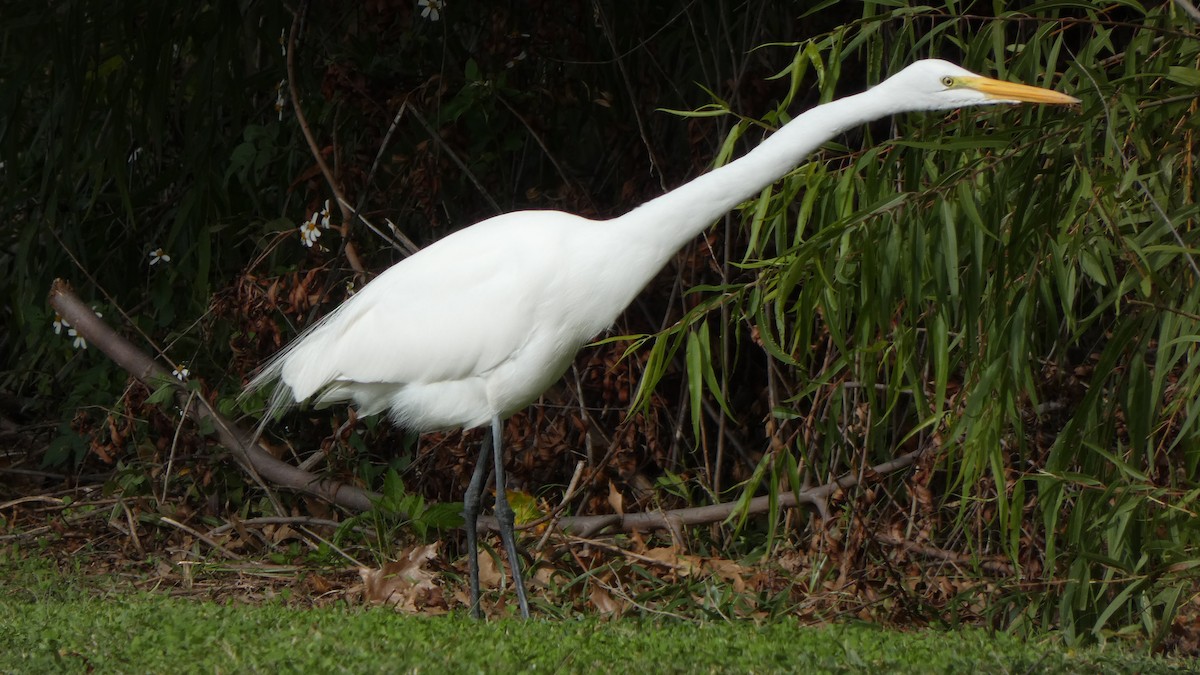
<point>1013,292</point>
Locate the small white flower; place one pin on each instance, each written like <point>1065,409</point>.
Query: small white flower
<point>181,372</point>
<point>158,255</point>
<point>516,59</point>
<point>59,324</point>
<point>79,342</point>
<point>324,216</point>
<point>310,232</point>
<point>431,9</point>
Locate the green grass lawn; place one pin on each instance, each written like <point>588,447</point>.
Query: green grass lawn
<point>50,624</point>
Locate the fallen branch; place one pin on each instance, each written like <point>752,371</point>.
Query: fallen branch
<point>239,441</point>
<point>586,526</point>
<point>261,464</point>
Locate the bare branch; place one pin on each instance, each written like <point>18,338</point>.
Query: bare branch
<point>239,441</point>
<point>586,526</point>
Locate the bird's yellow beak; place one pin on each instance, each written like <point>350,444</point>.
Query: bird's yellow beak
<point>1011,91</point>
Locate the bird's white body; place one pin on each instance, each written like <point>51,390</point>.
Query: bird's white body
<point>477,325</point>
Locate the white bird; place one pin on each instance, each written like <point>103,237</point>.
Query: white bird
<point>477,325</point>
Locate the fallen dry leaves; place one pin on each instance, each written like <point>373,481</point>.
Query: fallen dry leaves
<point>405,584</point>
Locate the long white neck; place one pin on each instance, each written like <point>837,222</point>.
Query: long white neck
<point>668,222</point>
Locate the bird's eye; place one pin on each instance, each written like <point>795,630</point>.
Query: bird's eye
<point>947,81</point>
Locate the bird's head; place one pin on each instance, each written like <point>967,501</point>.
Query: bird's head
<point>934,84</point>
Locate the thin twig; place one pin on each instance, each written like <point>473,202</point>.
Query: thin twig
<point>566,498</point>
<point>462,166</point>
<point>32,498</point>
<point>330,178</point>
<point>637,115</point>
<point>537,138</point>
<point>274,520</point>
<point>575,541</point>
<point>171,456</point>
<point>137,542</point>
<point>399,241</point>
<point>337,549</point>
<point>202,537</point>
<point>404,245</point>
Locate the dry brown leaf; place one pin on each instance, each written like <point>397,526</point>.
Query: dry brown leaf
<point>404,583</point>
<point>683,565</point>
<point>319,584</point>
<point>637,543</point>
<point>615,499</point>
<point>490,576</point>
<point>792,561</point>
<point>280,534</point>
<point>729,571</point>
<point>541,576</point>
<point>604,603</point>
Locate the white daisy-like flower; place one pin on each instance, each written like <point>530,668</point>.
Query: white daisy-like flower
<point>181,372</point>
<point>324,216</point>
<point>159,256</point>
<point>516,59</point>
<point>59,323</point>
<point>310,231</point>
<point>78,340</point>
<point>431,9</point>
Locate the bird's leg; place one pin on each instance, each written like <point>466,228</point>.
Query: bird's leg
<point>471,517</point>
<point>504,516</point>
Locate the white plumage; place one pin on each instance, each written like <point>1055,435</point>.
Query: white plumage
<point>476,326</point>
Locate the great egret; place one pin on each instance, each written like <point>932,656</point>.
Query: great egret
<point>476,326</point>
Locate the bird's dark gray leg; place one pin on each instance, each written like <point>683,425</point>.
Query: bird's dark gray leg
<point>471,517</point>
<point>504,516</point>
